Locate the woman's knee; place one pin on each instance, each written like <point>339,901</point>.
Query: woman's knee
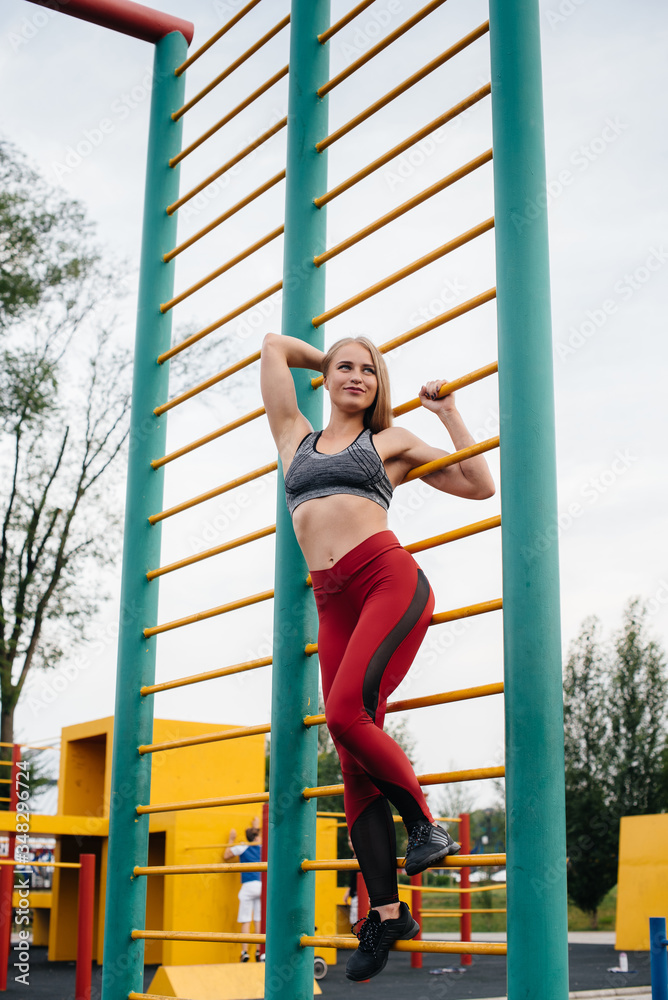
<point>340,716</point>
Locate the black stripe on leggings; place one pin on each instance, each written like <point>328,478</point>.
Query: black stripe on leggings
<point>391,642</point>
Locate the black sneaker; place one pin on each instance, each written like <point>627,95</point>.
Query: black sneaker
<point>428,844</point>
<point>375,939</point>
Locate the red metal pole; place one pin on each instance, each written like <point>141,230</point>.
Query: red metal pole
<point>125,16</point>
<point>362,897</point>
<point>465,883</point>
<point>263,857</point>
<point>82,985</point>
<point>7,879</point>
<point>416,910</point>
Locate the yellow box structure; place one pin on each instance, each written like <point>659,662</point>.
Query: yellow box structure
<point>178,902</point>
<point>642,886</point>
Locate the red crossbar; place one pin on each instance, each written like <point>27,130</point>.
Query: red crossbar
<point>125,16</point>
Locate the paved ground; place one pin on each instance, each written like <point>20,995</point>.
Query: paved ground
<point>486,978</point>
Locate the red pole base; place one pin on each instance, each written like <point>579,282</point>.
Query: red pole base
<point>82,985</point>
<point>416,910</point>
<point>465,883</point>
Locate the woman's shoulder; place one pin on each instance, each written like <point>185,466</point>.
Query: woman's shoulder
<point>393,441</point>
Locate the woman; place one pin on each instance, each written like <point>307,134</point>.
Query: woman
<point>374,603</point>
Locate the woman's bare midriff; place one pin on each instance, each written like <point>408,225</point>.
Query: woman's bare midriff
<point>328,527</point>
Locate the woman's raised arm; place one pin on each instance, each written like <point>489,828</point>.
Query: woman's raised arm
<point>286,422</point>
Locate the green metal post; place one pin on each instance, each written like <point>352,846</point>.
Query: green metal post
<point>291,893</point>
<point>123,969</point>
<point>537,917</point>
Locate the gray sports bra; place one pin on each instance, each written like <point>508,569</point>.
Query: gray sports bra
<point>357,470</point>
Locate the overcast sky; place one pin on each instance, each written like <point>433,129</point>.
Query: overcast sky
<point>77,103</point>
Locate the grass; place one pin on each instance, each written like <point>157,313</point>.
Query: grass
<point>496,899</point>
<point>579,921</point>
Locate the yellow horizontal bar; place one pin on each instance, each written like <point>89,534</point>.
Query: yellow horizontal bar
<point>7,781</point>
<point>342,22</point>
<point>189,341</point>
<point>404,272</point>
<point>453,459</point>
<point>215,551</point>
<point>455,534</point>
<point>214,38</point>
<point>237,158</point>
<point>230,936</point>
<point>405,144</point>
<point>152,996</point>
<point>220,377</point>
<point>226,800</point>
<point>433,889</point>
<point>446,698</point>
<point>24,746</point>
<point>208,675</point>
<point>460,861</point>
<point>444,778</point>
<point>445,317</point>
<point>397,819</point>
<point>232,484</point>
<point>467,612</point>
<point>458,913</point>
<point>426,947</point>
<point>220,868</point>
<point>40,864</point>
<point>196,741</point>
<point>228,265</point>
<point>225,215</point>
<point>378,47</point>
<point>406,206</point>
<point>208,438</point>
<point>458,383</point>
<point>444,616</point>
<point>243,602</point>
<point>402,87</point>
<point>262,89</point>
<point>232,66</point>
<point>427,701</point>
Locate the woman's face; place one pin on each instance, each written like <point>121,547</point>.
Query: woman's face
<point>351,379</point>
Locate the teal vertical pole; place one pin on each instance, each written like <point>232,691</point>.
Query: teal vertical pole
<point>123,969</point>
<point>536,838</point>
<point>291,893</point>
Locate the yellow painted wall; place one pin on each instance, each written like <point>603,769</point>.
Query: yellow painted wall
<point>179,902</point>
<point>642,887</point>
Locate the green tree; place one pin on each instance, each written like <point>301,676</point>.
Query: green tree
<point>64,392</point>
<point>614,719</point>
<point>45,247</point>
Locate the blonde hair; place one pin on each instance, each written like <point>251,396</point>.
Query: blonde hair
<point>378,416</point>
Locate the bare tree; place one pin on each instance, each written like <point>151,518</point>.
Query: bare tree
<point>58,438</point>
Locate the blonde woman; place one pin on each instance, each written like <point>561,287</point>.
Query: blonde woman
<point>374,602</point>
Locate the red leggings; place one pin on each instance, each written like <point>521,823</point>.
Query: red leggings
<point>374,607</point>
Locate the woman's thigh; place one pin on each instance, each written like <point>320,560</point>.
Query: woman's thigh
<point>394,607</point>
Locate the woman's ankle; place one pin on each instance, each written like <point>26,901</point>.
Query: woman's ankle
<point>389,911</point>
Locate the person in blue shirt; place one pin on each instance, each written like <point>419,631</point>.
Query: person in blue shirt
<point>250,906</point>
